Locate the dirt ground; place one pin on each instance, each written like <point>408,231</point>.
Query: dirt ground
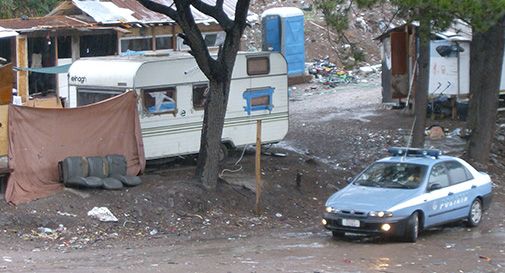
<point>171,224</point>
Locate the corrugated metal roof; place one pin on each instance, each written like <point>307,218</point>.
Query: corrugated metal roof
<point>105,12</point>
<point>4,33</point>
<point>131,11</point>
<point>50,22</point>
<point>457,31</point>
<point>145,15</point>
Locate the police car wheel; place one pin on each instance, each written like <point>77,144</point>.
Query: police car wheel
<point>412,230</point>
<point>475,213</point>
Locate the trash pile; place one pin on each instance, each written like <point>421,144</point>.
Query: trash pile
<point>329,74</point>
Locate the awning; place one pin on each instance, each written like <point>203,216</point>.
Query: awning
<point>47,70</point>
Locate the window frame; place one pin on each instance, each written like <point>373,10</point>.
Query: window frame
<point>164,36</point>
<point>204,94</point>
<point>181,46</point>
<point>257,73</point>
<point>251,94</point>
<point>150,38</point>
<point>442,164</point>
<point>105,91</point>
<point>144,91</point>
<point>468,175</point>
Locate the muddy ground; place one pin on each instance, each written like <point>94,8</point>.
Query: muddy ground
<point>171,224</point>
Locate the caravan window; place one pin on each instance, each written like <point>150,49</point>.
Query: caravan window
<point>258,99</point>
<point>258,65</point>
<point>199,94</point>
<point>160,100</point>
<point>87,96</point>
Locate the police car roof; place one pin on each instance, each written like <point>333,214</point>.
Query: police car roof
<point>421,160</point>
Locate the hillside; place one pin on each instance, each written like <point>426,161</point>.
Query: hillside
<point>319,41</point>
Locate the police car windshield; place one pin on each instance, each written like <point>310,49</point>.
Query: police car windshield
<point>392,175</point>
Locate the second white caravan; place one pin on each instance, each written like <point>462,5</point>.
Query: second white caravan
<point>171,93</point>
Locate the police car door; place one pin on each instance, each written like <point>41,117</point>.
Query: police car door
<point>438,196</point>
<point>460,188</point>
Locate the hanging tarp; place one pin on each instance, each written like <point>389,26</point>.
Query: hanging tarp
<point>47,70</point>
<point>39,138</point>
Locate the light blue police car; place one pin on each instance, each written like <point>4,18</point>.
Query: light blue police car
<point>413,189</point>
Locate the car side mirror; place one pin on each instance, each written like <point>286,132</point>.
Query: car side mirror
<point>435,186</point>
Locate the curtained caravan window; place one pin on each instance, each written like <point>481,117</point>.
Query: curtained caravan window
<point>87,96</point>
<point>160,100</point>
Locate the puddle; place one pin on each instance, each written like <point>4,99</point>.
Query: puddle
<point>313,245</point>
<point>348,116</point>
<point>288,147</point>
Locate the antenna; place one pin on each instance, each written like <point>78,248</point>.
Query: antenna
<point>409,142</point>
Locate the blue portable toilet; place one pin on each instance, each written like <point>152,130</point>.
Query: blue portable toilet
<point>283,31</point>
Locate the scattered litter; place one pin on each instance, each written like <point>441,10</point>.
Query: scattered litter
<point>275,154</point>
<point>450,246</point>
<point>45,230</point>
<point>61,228</point>
<point>103,214</point>
<point>153,232</point>
<point>435,132</point>
<point>487,259</point>
<point>66,214</point>
<point>328,74</point>
<point>7,259</point>
<point>278,215</point>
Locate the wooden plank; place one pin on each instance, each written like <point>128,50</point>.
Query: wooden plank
<point>6,80</point>
<point>22,61</point>
<point>4,139</point>
<point>258,167</point>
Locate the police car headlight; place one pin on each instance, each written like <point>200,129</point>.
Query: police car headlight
<point>380,214</point>
<point>329,209</point>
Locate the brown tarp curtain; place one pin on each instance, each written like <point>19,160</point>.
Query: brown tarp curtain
<point>39,138</point>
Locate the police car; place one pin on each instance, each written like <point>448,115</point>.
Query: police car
<point>413,189</point>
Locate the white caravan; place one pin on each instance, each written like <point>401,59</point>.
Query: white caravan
<point>171,92</point>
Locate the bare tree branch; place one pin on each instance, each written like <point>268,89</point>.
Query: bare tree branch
<point>194,38</point>
<point>217,12</point>
<point>241,11</point>
<point>227,53</point>
<point>157,7</point>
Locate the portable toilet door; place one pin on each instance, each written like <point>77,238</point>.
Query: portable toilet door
<point>272,33</point>
<point>283,30</point>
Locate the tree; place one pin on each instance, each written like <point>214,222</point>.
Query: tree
<point>486,56</point>
<point>17,8</point>
<point>218,69</point>
<point>487,18</point>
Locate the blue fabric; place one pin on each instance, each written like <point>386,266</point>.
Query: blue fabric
<point>47,70</point>
<point>251,94</point>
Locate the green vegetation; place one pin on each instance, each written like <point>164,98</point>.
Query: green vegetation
<point>30,8</point>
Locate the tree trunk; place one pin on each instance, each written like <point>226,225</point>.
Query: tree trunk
<point>207,168</point>
<point>486,56</point>
<point>422,83</point>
